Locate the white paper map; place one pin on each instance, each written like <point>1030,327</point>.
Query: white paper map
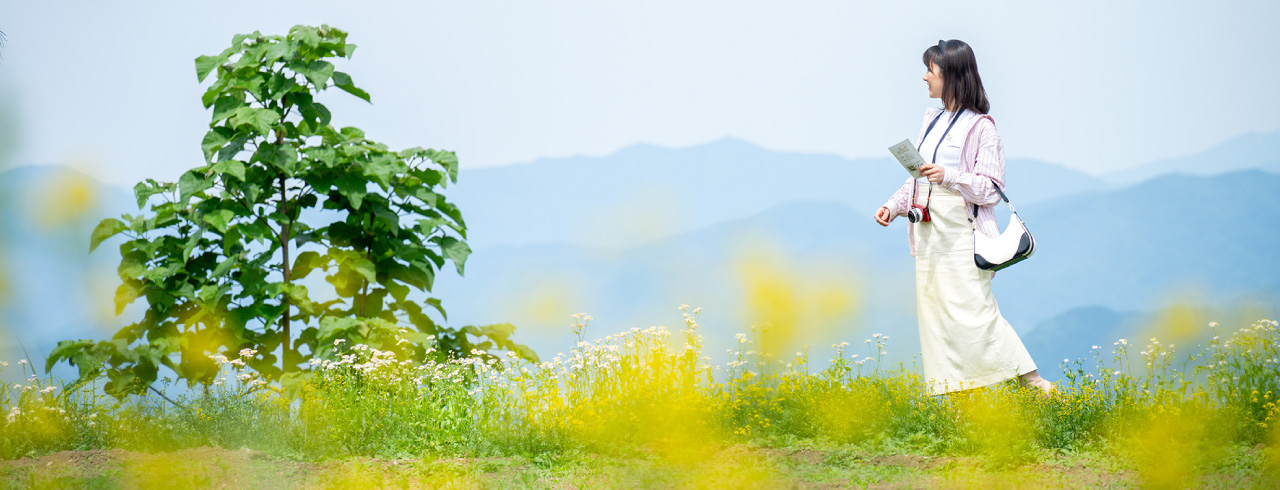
<point>908,157</point>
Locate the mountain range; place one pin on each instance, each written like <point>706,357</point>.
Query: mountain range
<point>748,233</point>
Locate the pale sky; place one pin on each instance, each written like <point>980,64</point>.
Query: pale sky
<point>1096,85</point>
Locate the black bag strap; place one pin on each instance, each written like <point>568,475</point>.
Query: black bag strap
<point>1002,196</point>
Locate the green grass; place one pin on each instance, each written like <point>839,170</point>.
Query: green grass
<point>643,408</point>
<point>736,466</point>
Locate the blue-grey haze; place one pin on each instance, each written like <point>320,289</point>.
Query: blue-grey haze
<point>630,236</point>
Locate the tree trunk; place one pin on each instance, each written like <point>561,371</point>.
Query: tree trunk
<point>364,298</point>
<point>284,301</point>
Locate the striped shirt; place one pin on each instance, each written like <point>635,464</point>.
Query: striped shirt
<point>981,156</point>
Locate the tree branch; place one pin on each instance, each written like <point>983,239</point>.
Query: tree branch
<point>176,404</point>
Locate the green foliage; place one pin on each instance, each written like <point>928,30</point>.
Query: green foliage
<point>650,393</point>
<point>220,256</point>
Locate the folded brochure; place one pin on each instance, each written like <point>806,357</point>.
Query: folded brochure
<point>907,155</point>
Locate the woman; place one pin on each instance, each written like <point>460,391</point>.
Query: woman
<point>964,341</point>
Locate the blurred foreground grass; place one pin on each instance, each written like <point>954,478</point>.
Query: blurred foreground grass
<point>646,408</point>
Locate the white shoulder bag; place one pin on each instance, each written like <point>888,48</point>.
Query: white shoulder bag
<point>1014,245</point>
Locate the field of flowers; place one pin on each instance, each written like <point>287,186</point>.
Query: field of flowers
<point>644,408</point>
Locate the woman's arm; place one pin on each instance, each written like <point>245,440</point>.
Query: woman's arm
<point>897,203</point>
<point>976,186</point>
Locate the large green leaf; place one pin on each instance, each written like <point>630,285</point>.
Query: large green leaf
<point>323,155</point>
<point>336,328</point>
<point>306,35</point>
<point>125,294</point>
<point>225,266</point>
<point>206,64</point>
<point>453,213</point>
<point>365,268</point>
<point>425,195</point>
<point>350,134</point>
<point>283,157</point>
<point>387,216</point>
<point>456,250</point>
<point>317,114</point>
<point>133,264</point>
<point>258,120</point>
<point>225,106</point>
<point>343,81</point>
<point>219,219</point>
<point>213,141</point>
<point>233,167</point>
<point>381,168</point>
<point>254,84</point>
<point>353,188</point>
<point>435,303</point>
<point>145,189</point>
<point>318,72</point>
<point>231,149</point>
<point>397,290</point>
<point>217,89</point>
<point>84,354</point>
<point>278,50</point>
<point>281,85</point>
<point>448,160</point>
<point>346,282</point>
<point>192,183</point>
<point>190,245</point>
<point>305,263</point>
<point>106,228</point>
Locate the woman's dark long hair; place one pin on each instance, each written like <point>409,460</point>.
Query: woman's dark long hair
<point>961,85</point>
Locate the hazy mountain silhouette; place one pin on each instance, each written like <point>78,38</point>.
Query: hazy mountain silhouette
<point>629,236</point>
<point>1173,240</point>
<point>1247,151</point>
<point>645,193</point>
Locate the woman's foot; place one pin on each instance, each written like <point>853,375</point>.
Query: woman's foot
<point>1033,379</point>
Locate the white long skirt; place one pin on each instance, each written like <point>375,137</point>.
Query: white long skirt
<point>964,341</point>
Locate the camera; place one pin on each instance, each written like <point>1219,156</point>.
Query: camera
<point>917,213</point>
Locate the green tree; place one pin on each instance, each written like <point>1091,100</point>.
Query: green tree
<point>222,254</point>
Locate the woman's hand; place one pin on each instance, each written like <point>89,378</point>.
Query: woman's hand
<point>933,172</point>
<point>882,216</point>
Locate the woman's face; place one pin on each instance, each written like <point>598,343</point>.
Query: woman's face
<point>933,78</point>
